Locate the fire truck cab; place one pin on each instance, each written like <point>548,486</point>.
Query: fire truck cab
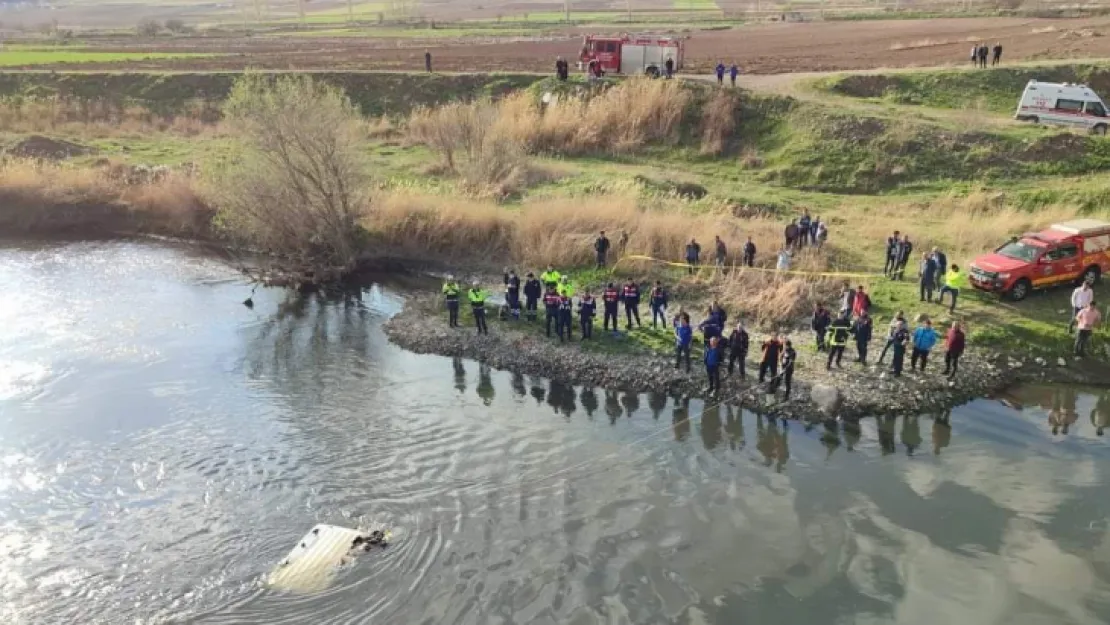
<point>632,54</point>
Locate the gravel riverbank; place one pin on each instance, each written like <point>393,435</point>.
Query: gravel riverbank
<point>853,391</point>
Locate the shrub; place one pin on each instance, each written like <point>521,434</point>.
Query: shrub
<point>148,28</point>
<point>297,187</point>
<point>176,25</point>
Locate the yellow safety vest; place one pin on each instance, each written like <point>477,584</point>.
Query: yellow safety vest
<point>550,277</point>
<point>477,297</point>
<point>954,279</point>
<point>565,289</point>
<point>451,290</point>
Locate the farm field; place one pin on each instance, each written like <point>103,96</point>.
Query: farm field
<point>764,48</point>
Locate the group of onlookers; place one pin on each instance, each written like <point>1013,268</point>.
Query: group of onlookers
<point>980,53</point>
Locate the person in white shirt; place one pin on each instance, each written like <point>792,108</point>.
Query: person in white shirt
<point>1080,297</point>
<point>784,260</point>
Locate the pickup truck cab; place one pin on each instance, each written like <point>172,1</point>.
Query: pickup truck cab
<point>1065,253</point>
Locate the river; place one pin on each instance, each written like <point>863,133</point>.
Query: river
<point>162,447</point>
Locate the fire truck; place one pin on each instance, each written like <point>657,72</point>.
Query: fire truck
<point>632,54</point>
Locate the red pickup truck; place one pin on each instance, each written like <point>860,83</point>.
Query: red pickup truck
<point>1065,253</point>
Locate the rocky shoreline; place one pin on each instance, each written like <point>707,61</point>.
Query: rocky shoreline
<point>853,391</point>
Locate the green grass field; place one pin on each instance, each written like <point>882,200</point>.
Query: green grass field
<point>13,56</point>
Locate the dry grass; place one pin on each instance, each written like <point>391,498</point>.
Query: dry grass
<point>718,122</point>
<point>48,199</point>
<point>101,117</point>
<point>919,43</point>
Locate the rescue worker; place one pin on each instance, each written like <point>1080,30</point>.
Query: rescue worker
<point>477,298</point>
<point>713,365</point>
<point>565,287</point>
<point>955,341</point>
<point>769,364</point>
<point>924,338</point>
<point>733,72</point>
<point>738,349</point>
<point>587,308</point>
<point>749,253</point>
<point>837,338</point>
<point>451,295</point>
<point>721,252</point>
<point>953,280</point>
<point>550,278</point>
<point>789,357</point>
<point>631,296</point>
<point>601,246</point>
<point>720,73</point>
<point>820,324</point>
<point>927,273</point>
<point>899,321</point>
<point>532,292</point>
<point>862,330</point>
<point>683,339</point>
<point>610,299</point>
<point>657,299</point>
<point>892,243</point>
<point>551,309</point>
<point>512,293</point>
<point>566,317</point>
<point>897,341</point>
<point>693,252</point>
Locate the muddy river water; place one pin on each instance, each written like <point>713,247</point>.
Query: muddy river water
<point>162,447</point>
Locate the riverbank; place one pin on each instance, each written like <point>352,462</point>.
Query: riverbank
<point>852,391</point>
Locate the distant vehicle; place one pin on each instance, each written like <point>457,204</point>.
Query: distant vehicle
<point>632,54</point>
<point>1063,104</point>
<point>1066,253</point>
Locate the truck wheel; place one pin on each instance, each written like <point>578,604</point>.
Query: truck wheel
<point>1020,290</point>
<point>652,72</point>
<point>1092,275</point>
<point>1099,130</point>
<point>1033,119</point>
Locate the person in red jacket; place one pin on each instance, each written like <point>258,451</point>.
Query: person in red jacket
<point>956,341</point>
<point>862,303</point>
<point>610,298</point>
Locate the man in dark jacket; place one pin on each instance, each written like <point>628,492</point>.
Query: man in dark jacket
<point>789,356</point>
<point>804,224</point>
<point>720,252</point>
<point>601,246</point>
<point>738,349</point>
<point>713,365</point>
<point>668,67</point>
<point>566,316</point>
<point>905,252</point>
<point>512,293</point>
<point>820,325</point>
<point>631,297</point>
<point>769,363</point>
<point>892,243</point>
<point>427,61</point>
<point>956,342</point>
<point>942,268</point>
<point>658,302</point>
<point>749,253</point>
<point>587,308</point>
<point>611,301</point>
<point>862,329</point>
<point>997,58</point>
<point>551,310</point>
<point>791,234</point>
<point>693,253</point>
<point>928,276</point>
<point>837,338</point>
<point>898,342</point>
<point>720,73</point>
<point>532,293</point>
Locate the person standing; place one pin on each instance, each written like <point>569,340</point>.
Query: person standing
<point>668,66</point>
<point>769,364</point>
<point>610,300</point>
<point>905,252</point>
<point>1080,297</point>
<point>815,230</point>
<point>720,73</point>
<point>683,338</point>
<point>789,356</point>
<point>1087,320</point>
<point>749,253</point>
<point>738,349</point>
<point>713,365</point>
<point>562,68</point>
<point>720,252</point>
<point>601,246</point>
<point>927,277</point>
<point>550,278</point>
<point>892,243</point>
<point>427,61</point>
<point>657,299</point>
<point>899,322</point>
<point>898,344</point>
<point>942,268</point>
<point>953,281</point>
<point>451,296</point>
<point>512,293</point>
<point>477,298</point>
<point>631,296</point>
<point>587,308</point>
<point>783,262</point>
<point>790,234</point>
<point>532,292</point>
<point>837,338</point>
<point>566,316</point>
<point>822,234</point>
<point>693,253</point>
<point>820,324</point>
<point>924,338</point>
<point>862,330</point>
<point>733,72</point>
<point>565,287</point>
<point>997,53</point>
<point>710,327</point>
<point>847,300</point>
<point>862,303</point>
<point>805,222</point>
<point>955,341</point>
<point>551,310</point>
<point>983,52</point>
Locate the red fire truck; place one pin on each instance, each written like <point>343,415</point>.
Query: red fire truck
<point>632,54</point>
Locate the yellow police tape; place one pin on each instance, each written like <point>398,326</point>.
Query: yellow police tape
<point>826,274</point>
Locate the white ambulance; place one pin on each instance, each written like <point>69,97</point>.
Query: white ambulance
<point>1063,104</point>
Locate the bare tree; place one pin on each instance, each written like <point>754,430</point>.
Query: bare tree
<point>298,186</point>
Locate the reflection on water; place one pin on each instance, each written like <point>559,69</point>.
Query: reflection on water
<point>162,448</point>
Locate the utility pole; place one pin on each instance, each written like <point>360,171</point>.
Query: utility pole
<point>629,3</point>
<point>300,10</point>
<point>566,11</point>
<point>350,11</point>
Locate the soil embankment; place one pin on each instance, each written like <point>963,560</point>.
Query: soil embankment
<point>854,390</point>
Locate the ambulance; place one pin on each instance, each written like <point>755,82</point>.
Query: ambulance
<point>1063,104</point>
